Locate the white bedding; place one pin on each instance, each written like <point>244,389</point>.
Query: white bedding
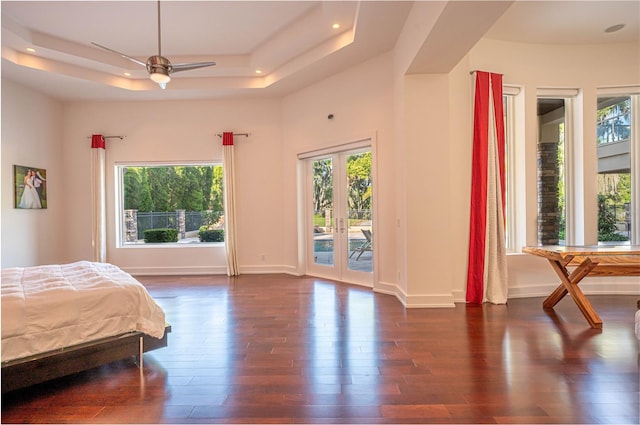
<point>50,307</point>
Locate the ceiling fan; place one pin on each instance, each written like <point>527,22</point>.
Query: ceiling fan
<point>159,67</point>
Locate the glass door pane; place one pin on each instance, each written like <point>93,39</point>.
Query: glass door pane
<point>339,236</point>
<point>359,197</point>
<point>323,219</point>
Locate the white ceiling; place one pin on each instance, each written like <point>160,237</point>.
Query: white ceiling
<point>291,42</point>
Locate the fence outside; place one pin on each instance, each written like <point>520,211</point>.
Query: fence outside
<point>137,222</point>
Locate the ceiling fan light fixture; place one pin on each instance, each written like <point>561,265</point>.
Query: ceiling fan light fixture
<point>160,76</point>
<point>159,69</point>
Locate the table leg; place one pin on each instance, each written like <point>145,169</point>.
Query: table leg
<point>570,285</point>
<point>555,296</point>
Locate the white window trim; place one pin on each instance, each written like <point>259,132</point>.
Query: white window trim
<point>634,144</point>
<point>573,163</point>
<point>633,92</point>
<point>516,181</point>
<point>510,127</point>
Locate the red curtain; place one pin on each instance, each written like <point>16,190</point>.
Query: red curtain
<point>486,274</point>
<point>97,141</point>
<point>98,183</point>
<point>227,139</point>
<point>233,268</point>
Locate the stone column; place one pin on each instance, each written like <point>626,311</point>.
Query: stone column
<point>548,177</point>
<point>181,223</point>
<point>131,225</point>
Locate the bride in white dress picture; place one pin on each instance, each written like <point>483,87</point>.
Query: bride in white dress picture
<point>30,198</point>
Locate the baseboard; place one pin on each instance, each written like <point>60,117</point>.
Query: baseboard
<point>590,286</point>
<point>459,296</point>
<point>269,270</point>
<point>210,270</point>
<point>175,271</point>
<point>390,289</point>
<point>415,301</point>
<point>595,286</point>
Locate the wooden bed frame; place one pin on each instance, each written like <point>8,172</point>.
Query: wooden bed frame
<point>24,372</point>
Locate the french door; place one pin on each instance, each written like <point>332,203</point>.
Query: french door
<point>339,237</point>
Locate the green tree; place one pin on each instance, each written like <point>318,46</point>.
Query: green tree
<point>613,121</point>
<point>159,187</point>
<point>132,188</point>
<point>174,185</point>
<point>216,198</point>
<point>187,189</point>
<point>146,202</point>
<point>359,183</point>
<point>206,183</point>
<point>624,188</point>
<point>166,189</point>
<point>322,184</point>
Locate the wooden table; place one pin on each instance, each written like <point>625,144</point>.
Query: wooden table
<point>586,261</point>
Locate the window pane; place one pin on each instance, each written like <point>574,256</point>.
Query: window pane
<point>507,102</point>
<point>323,211</point>
<point>614,170</point>
<point>359,191</point>
<point>187,199</point>
<point>551,172</point>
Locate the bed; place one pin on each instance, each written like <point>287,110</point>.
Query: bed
<point>65,318</point>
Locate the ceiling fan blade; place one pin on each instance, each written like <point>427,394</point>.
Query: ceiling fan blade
<point>139,62</point>
<point>193,65</point>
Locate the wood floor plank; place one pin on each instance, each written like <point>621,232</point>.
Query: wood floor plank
<point>285,349</point>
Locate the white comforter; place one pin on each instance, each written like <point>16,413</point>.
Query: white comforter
<point>50,307</point>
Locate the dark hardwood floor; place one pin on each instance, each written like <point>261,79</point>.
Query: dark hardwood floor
<point>281,349</point>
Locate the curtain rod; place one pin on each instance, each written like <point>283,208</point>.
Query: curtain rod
<point>236,134</point>
<point>110,137</point>
<point>473,71</point>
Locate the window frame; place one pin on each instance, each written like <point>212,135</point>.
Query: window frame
<point>119,225</point>
<point>514,154</point>
<point>634,144</point>
<point>573,187</point>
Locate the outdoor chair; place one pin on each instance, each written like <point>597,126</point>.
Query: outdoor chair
<point>365,246</point>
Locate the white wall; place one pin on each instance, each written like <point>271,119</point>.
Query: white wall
<point>31,136</point>
<point>181,131</point>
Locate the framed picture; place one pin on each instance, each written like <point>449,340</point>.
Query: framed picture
<point>30,187</point>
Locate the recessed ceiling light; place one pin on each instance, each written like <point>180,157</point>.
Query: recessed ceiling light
<point>31,49</point>
<point>335,26</point>
<point>258,71</point>
<point>614,28</point>
<point>127,74</point>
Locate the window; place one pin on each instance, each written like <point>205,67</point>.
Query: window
<point>185,198</point>
<point>551,171</point>
<point>567,209</point>
<point>614,169</point>
<point>510,96</point>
